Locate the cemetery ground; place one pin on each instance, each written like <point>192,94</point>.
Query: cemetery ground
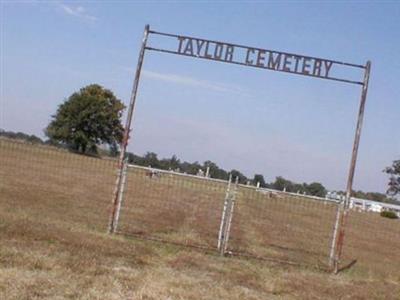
<point>54,209</point>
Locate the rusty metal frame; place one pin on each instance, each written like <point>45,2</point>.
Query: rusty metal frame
<point>119,182</point>
<point>230,210</point>
<point>342,213</point>
<point>223,217</point>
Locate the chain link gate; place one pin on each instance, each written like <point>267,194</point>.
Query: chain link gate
<point>282,227</point>
<point>225,216</point>
<point>172,207</point>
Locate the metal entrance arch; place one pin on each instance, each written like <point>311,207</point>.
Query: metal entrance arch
<point>257,58</point>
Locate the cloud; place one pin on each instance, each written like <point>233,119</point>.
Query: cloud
<point>194,82</point>
<point>77,11</point>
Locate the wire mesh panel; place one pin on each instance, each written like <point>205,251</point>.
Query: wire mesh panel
<point>43,180</point>
<point>172,207</point>
<point>49,183</point>
<point>282,226</point>
<point>372,243</point>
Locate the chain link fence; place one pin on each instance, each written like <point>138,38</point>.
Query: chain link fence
<point>226,216</point>
<point>372,243</point>
<point>50,183</point>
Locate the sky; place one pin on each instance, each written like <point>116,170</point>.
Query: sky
<point>254,120</point>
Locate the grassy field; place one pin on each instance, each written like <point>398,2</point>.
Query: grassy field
<point>188,210</point>
<point>54,210</point>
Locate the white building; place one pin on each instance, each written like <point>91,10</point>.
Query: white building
<point>366,205</point>
<point>374,206</point>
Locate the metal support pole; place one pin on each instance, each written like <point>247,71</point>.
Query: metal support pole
<point>230,216</point>
<point>121,193</point>
<point>223,217</point>
<point>335,231</point>
<point>118,185</point>
<point>341,221</point>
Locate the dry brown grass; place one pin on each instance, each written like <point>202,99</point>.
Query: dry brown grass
<point>53,216</point>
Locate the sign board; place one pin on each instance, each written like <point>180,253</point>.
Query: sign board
<point>256,57</point>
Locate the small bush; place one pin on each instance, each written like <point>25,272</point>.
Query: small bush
<point>389,214</point>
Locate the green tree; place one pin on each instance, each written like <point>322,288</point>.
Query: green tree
<point>282,184</point>
<point>259,178</point>
<point>135,159</point>
<point>394,180</point>
<point>174,163</point>
<point>151,159</point>
<point>299,188</point>
<point>377,197</point>
<point>190,168</point>
<point>316,189</point>
<point>241,178</point>
<point>89,117</point>
<point>215,171</point>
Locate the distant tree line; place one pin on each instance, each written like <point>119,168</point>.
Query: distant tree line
<point>21,136</point>
<point>174,163</point>
<point>371,196</point>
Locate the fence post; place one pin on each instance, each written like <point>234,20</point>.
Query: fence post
<point>222,225</point>
<point>334,236</point>
<point>127,129</point>
<point>121,193</point>
<point>231,206</point>
<point>345,207</point>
